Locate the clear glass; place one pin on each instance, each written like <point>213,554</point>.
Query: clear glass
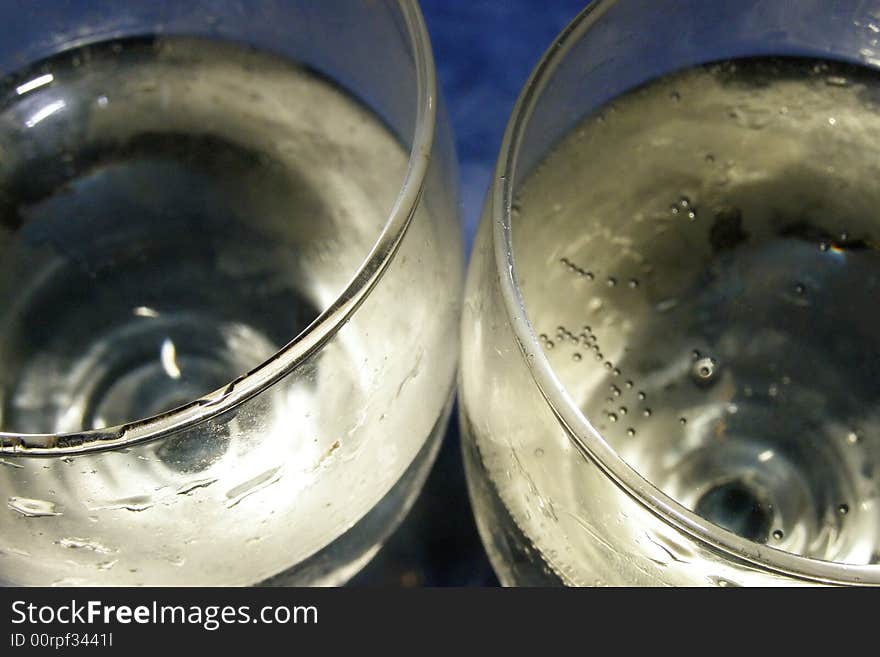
<point>231,296</point>
<point>669,314</point>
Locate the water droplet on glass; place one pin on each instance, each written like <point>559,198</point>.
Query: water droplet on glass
<point>836,81</point>
<point>238,493</point>
<point>32,508</point>
<point>74,543</point>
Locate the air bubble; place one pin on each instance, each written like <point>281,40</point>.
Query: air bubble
<point>612,417</point>
<point>800,289</point>
<point>647,412</point>
<point>611,282</point>
<point>629,384</point>
<point>615,372</point>
<point>633,283</point>
<point>576,357</point>
<point>608,365</point>
<point>622,410</point>
<point>843,509</point>
<point>549,344</point>
<point>682,420</point>
<point>778,535</point>
<point>630,432</point>
<point>641,395</point>
<point>852,437</point>
<point>704,371</point>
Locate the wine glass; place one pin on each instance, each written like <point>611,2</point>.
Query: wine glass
<point>670,314</point>
<point>231,292</point>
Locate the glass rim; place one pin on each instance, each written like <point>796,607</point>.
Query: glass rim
<point>584,436</point>
<point>311,339</point>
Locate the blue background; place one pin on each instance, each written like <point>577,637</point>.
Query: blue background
<point>484,52</point>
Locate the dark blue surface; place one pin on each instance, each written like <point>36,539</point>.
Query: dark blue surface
<point>484,52</point>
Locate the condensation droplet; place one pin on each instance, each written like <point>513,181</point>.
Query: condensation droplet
<point>32,508</point>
